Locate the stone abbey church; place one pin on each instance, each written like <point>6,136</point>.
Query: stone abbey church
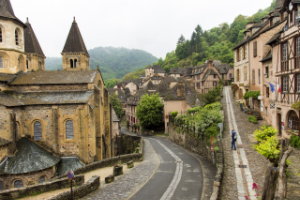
<point>49,120</point>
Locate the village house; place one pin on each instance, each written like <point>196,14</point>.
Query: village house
<point>177,72</point>
<point>208,75</point>
<point>155,69</point>
<point>51,117</point>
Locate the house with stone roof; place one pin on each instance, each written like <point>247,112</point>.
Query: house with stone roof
<point>177,72</point>
<point>208,75</point>
<point>155,69</point>
<point>59,119</point>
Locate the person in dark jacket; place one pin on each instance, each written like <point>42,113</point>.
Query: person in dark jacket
<point>233,140</point>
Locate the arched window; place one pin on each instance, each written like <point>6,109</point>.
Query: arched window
<point>18,184</point>
<point>237,75</point>
<point>75,63</point>
<point>1,185</point>
<point>69,130</point>
<point>37,131</point>
<point>0,34</point>
<point>42,179</point>
<point>17,37</point>
<point>1,62</point>
<point>293,120</point>
<point>27,64</point>
<point>71,63</point>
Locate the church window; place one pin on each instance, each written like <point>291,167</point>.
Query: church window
<point>69,130</point>
<point>0,34</point>
<point>75,63</point>
<point>71,63</point>
<point>42,179</point>
<point>27,64</point>
<point>18,184</point>
<point>17,37</point>
<point>37,131</point>
<point>1,62</point>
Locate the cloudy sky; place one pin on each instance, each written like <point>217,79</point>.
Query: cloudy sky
<point>150,25</point>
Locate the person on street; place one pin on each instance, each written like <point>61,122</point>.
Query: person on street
<point>233,139</point>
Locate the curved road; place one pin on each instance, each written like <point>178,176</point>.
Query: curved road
<point>179,175</point>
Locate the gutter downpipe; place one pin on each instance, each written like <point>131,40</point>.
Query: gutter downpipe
<point>249,68</point>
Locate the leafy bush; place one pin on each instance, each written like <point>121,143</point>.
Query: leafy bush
<point>269,148</point>
<point>296,105</point>
<point>194,110</point>
<point>295,141</point>
<point>234,88</point>
<point>214,106</point>
<point>206,118</point>
<point>252,118</point>
<point>212,131</point>
<point>127,124</point>
<point>212,95</point>
<point>264,132</point>
<point>174,114</point>
<point>253,94</point>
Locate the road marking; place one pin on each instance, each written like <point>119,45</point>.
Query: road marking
<point>177,176</point>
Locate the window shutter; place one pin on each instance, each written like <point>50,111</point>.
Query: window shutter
<point>255,49</point>
<point>42,179</point>
<point>37,131</point>
<point>1,62</point>
<point>1,186</point>
<point>18,184</point>
<point>69,130</point>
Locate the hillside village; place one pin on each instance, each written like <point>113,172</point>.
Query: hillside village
<point>203,131</point>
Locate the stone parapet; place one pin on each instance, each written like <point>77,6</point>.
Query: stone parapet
<point>17,193</point>
<point>90,186</point>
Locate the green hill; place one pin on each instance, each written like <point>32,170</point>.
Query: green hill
<point>114,62</point>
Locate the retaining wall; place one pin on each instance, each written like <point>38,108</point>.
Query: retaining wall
<point>91,185</point>
<point>41,188</point>
<point>200,146</point>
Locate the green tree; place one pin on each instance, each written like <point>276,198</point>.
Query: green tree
<point>116,104</point>
<point>181,40</point>
<point>150,111</point>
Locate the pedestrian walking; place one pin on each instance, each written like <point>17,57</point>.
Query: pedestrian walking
<point>233,139</point>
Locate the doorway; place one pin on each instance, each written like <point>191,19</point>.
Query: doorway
<point>279,124</point>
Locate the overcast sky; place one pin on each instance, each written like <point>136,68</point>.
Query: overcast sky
<point>150,25</point>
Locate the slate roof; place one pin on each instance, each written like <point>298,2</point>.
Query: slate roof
<point>157,68</point>
<point>199,69</point>
<point>134,100</point>
<point>55,77</point>
<point>209,72</point>
<point>74,42</point>
<point>7,11</point>
<point>45,98</point>
<point>223,68</point>
<point>191,95</point>
<point>7,77</point>
<point>274,38</point>
<point>32,44</point>
<point>29,158</point>
<point>279,4</point>
<point>176,70</point>
<point>169,79</point>
<point>67,164</point>
<point>4,142</point>
<point>115,118</point>
<point>267,57</point>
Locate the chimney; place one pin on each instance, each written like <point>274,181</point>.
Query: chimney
<point>180,89</point>
<point>210,62</point>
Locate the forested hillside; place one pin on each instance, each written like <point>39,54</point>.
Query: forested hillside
<point>216,43</point>
<point>113,62</point>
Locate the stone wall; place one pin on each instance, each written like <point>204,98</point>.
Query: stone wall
<point>36,189</point>
<point>201,147</point>
<point>28,88</point>
<point>91,185</point>
<point>110,161</point>
<point>129,144</point>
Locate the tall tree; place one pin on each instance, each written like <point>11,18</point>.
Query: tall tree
<point>181,40</point>
<point>116,104</point>
<point>150,111</point>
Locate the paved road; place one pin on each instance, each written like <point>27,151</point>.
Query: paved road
<point>179,175</point>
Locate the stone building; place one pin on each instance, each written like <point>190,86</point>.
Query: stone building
<point>155,69</point>
<point>59,113</point>
<point>177,72</point>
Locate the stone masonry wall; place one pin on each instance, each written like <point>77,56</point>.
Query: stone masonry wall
<point>28,88</point>
<point>202,148</point>
<point>91,185</point>
<point>44,187</point>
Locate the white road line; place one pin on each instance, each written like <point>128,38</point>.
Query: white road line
<point>177,176</point>
<point>247,171</point>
